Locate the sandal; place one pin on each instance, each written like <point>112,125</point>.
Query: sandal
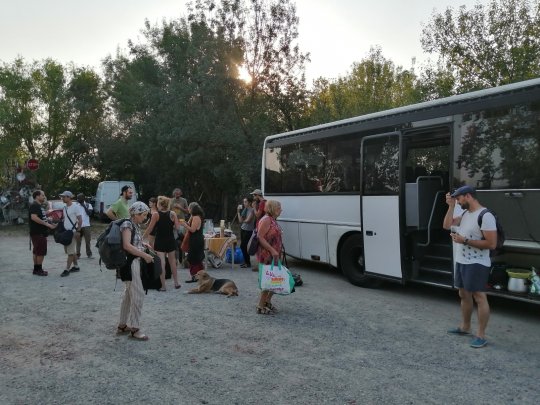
<point>264,311</point>
<point>270,307</point>
<point>123,329</point>
<point>138,336</point>
<point>177,286</point>
<point>162,289</point>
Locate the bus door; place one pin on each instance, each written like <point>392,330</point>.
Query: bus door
<point>380,155</point>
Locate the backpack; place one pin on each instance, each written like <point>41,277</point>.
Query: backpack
<point>109,245</point>
<point>253,244</point>
<point>500,232</point>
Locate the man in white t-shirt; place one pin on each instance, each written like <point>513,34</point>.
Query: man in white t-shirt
<point>72,220</point>
<point>86,211</point>
<point>472,244</point>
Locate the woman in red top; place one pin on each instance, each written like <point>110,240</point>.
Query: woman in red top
<point>270,245</point>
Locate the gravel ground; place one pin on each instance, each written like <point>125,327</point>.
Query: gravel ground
<point>330,343</point>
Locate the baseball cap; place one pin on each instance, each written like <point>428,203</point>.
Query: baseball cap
<point>256,192</point>
<point>66,194</point>
<point>464,190</point>
<point>138,207</point>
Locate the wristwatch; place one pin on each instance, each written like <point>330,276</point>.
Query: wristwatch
<point>466,241</point>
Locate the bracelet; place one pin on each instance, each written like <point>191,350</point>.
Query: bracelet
<point>466,241</point>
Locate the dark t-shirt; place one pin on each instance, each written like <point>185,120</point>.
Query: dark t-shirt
<point>35,228</point>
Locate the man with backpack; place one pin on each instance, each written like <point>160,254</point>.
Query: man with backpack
<point>86,212</point>
<point>72,221</point>
<point>473,238</point>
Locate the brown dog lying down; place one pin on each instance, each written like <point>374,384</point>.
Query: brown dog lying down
<point>206,284</point>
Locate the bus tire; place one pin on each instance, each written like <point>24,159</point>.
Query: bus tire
<point>351,260</point>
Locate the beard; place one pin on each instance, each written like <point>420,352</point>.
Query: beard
<point>465,205</point>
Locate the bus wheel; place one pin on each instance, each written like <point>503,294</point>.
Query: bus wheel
<point>351,259</point>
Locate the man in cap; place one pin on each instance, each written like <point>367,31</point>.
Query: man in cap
<point>86,211</point>
<point>73,221</point>
<point>258,206</point>
<point>120,208</point>
<point>39,229</point>
<point>473,243</point>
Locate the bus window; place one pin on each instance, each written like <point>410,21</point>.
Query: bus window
<point>498,148</point>
<point>380,171</point>
<point>315,166</point>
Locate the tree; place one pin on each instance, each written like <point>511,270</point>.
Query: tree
<point>53,114</point>
<point>485,46</point>
<point>374,84</point>
<point>182,112</point>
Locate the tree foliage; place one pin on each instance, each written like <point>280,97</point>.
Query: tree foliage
<point>183,116</point>
<point>374,84</point>
<point>52,114</point>
<point>485,46</point>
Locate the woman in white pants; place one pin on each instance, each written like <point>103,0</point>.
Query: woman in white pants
<point>132,300</point>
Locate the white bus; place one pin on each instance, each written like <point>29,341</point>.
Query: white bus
<point>367,194</point>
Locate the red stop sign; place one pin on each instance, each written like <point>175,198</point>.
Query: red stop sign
<point>32,164</point>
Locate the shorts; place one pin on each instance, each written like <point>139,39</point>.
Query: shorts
<point>39,242</point>
<point>472,277</point>
<point>71,249</point>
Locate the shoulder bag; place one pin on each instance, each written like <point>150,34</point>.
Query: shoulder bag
<point>62,235</point>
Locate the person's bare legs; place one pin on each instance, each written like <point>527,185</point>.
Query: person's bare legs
<point>171,256</point>
<point>161,256</point>
<point>483,312</point>
<point>38,259</point>
<point>467,307</point>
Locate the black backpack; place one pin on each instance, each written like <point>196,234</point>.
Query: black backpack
<point>109,245</point>
<point>500,232</point>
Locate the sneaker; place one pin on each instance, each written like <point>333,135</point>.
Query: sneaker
<point>244,266</point>
<point>65,273</point>
<point>458,331</point>
<point>74,269</point>
<point>40,273</point>
<point>193,280</point>
<point>478,342</point>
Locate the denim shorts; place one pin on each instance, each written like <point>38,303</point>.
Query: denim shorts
<point>472,277</point>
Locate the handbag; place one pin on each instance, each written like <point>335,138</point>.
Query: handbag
<point>62,235</point>
<point>253,243</point>
<point>277,279</point>
<point>184,247</point>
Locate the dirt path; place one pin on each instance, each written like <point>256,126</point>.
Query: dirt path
<point>330,343</point>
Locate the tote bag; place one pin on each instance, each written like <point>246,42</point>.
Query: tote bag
<point>277,279</point>
<point>184,247</point>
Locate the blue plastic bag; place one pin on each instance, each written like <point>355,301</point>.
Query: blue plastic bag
<point>238,256</point>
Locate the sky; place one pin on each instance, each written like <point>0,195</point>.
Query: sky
<point>336,33</point>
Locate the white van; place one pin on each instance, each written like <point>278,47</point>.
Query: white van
<point>107,193</point>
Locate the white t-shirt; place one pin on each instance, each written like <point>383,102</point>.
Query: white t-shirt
<point>85,217</point>
<point>73,211</point>
<point>468,227</point>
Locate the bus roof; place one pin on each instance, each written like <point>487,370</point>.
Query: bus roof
<point>447,101</point>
